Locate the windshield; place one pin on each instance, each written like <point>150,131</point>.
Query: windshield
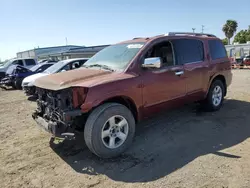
<point>116,56</point>
<point>7,63</point>
<point>11,69</point>
<point>56,67</point>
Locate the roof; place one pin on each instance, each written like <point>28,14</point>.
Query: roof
<point>74,46</point>
<point>52,47</point>
<point>74,59</point>
<point>171,35</point>
<point>21,58</point>
<point>87,49</point>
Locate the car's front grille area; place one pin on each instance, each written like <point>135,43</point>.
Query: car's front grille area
<point>52,104</point>
<point>25,84</point>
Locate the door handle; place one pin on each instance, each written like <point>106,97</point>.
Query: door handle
<point>178,73</point>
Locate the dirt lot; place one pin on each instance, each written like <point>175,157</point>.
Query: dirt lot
<point>182,148</point>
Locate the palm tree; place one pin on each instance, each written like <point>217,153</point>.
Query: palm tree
<point>229,28</point>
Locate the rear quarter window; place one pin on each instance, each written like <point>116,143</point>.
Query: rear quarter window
<point>30,62</point>
<point>217,49</point>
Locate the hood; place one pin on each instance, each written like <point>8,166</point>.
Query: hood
<point>82,77</point>
<point>2,69</point>
<point>31,79</point>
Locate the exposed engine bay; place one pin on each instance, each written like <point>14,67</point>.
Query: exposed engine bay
<point>59,111</point>
<point>53,104</point>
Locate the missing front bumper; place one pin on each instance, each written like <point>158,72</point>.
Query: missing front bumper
<point>55,128</point>
<point>45,125</point>
<point>7,82</point>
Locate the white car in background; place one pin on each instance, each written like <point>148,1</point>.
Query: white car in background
<point>64,65</point>
<point>25,62</point>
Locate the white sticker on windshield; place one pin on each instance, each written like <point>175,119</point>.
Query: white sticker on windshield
<point>134,46</point>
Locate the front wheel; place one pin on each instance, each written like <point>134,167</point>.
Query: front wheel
<point>18,84</point>
<point>109,130</point>
<point>215,96</point>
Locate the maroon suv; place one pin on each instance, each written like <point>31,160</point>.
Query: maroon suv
<point>129,81</point>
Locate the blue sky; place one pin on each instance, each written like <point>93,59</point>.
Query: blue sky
<point>26,24</point>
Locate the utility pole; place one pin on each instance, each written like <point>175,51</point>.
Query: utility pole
<point>202,28</point>
<point>193,29</point>
<point>66,40</point>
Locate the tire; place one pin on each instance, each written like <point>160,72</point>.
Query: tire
<point>97,122</point>
<point>14,85</point>
<point>18,84</point>
<point>208,103</point>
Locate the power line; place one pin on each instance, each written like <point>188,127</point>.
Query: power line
<point>193,29</point>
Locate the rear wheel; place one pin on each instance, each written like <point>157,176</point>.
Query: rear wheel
<point>109,130</point>
<point>215,96</point>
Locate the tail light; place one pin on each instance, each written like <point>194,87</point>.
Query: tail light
<point>79,95</point>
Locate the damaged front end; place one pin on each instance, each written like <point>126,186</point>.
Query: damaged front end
<point>58,111</point>
<point>7,81</point>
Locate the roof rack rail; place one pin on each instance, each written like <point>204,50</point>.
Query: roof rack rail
<point>189,33</point>
<point>141,38</point>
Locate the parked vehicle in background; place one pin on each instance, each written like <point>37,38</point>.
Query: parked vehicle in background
<point>239,61</point>
<point>16,73</point>
<point>46,61</point>
<point>127,82</point>
<point>26,62</point>
<point>64,65</point>
<point>246,60</point>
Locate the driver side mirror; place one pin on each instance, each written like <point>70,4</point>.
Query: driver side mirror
<point>152,62</point>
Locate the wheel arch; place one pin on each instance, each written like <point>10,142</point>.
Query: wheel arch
<point>221,78</point>
<point>124,100</point>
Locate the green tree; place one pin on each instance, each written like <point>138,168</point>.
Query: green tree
<point>243,36</point>
<point>229,28</point>
<point>225,41</point>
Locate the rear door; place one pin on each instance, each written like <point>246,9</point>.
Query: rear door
<point>191,54</point>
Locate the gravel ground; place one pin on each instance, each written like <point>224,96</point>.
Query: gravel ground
<point>181,148</point>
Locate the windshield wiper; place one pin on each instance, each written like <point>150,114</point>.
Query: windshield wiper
<point>101,66</point>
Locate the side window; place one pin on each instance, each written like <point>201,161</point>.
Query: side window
<point>75,65</point>
<point>217,49</point>
<point>188,51</point>
<point>65,68</point>
<point>18,62</point>
<point>82,62</point>
<point>30,62</point>
<point>43,68</point>
<point>21,70</point>
<point>164,51</point>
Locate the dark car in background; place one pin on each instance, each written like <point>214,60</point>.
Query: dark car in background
<point>246,60</point>
<point>16,73</point>
<point>25,62</point>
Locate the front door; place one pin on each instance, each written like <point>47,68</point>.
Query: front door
<point>165,87</point>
